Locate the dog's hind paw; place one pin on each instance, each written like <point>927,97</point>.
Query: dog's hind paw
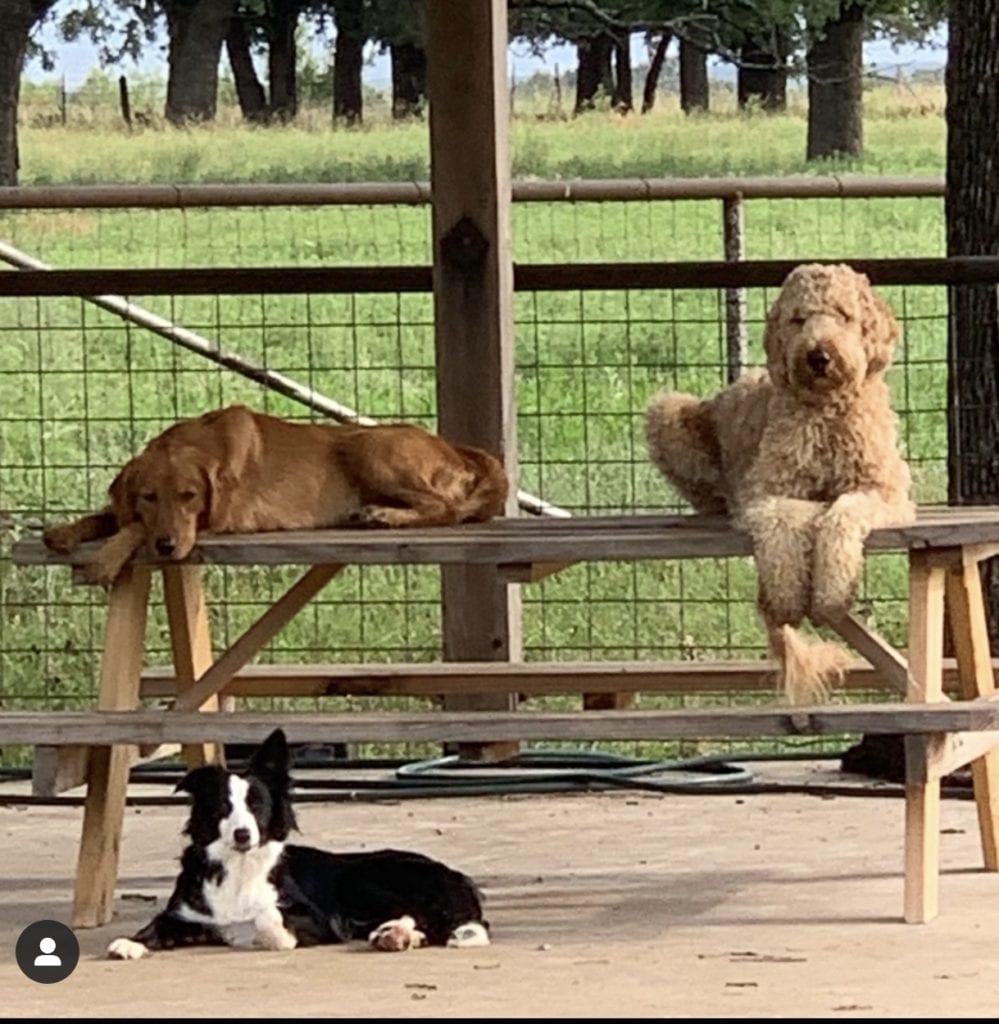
<point>126,949</point>
<point>467,936</point>
<point>397,936</point>
<point>370,517</point>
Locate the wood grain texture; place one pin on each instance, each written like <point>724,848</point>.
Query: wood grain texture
<point>529,678</point>
<point>473,309</point>
<point>523,541</point>
<point>922,790</point>
<point>149,726</point>
<point>107,770</point>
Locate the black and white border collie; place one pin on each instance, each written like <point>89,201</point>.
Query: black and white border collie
<point>241,884</point>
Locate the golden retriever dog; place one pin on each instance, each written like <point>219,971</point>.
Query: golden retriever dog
<point>240,471</point>
<point>804,456</point>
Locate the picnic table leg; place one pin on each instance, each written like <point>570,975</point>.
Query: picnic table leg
<point>922,798</point>
<point>107,776</point>
<point>969,629</point>
<point>190,639</point>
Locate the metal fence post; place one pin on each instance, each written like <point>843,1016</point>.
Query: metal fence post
<point>733,226</point>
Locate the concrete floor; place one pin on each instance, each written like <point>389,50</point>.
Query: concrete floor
<point>601,905</point>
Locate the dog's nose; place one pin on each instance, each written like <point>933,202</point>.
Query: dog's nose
<point>241,837</point>
<point>165,546</point>
<point>818,361</point>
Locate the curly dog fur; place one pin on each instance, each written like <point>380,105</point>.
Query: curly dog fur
<point>803,456</point>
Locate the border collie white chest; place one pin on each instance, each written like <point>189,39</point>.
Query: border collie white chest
<point>242,884</point>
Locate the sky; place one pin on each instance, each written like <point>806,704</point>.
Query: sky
<point>77,60</point>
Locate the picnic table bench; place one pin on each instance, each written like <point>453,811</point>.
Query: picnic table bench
<point>945,548</point>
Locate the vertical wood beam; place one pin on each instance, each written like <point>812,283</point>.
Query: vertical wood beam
<point>107,778</point>
<point>190,640</point>
<point>473,305</point>
<point>970,631</point>
<point>922,798</point>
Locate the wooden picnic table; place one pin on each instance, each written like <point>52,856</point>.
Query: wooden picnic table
<point>945,548</point>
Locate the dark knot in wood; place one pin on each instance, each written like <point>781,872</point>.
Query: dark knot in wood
<point>464,245</point>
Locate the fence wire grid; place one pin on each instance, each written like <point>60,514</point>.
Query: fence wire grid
<point>81,391</point>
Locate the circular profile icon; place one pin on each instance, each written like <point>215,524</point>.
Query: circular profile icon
<point>47,951</point>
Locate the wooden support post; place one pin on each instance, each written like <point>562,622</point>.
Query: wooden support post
<point>970,632</point>
<point>922,798</point>
<point>190,639</point>
<point>107,782</point>
<point>473,306</point>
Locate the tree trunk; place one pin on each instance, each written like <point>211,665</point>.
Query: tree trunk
<point>694,92</point>
<point>348,59</point>
<point>654,72</point>
<point>593,70</point>
<point>17,18</point>
<point>409,80</point>
<point>249,91</point>
<point>197,30</point>
<point>972,210</point>
<point>622,99</point>
<point>13,44</point>
<point>281,60</point>
<point>762,72</point>
<point>835,86</point>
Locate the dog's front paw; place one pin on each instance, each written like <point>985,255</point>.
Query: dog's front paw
<point>98,573</point>
<point>831,601</point>
<point>782,607</point>
<point>275,938</point>
<point>127,949</point>
<point>62,539</point>
<point>397,936</point>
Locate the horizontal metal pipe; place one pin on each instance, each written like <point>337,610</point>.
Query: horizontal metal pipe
<point>197,343</point>
<point>409,193</point>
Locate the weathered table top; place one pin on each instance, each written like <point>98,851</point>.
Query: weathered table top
<point>527,540</point>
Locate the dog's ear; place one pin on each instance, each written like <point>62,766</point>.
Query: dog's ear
<point>271,758</point>
<point>879,326</point>
<point>199,780</point>
<point>241,440</point>
<point>773,348</point>
<point>210,470</point>
<point>124,491</point>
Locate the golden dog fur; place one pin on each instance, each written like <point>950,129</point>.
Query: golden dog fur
<point>240,471</point>
<point>803,456</point>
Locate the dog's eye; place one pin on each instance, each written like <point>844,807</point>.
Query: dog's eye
<point>188,495</point>
<point>798,321</point>
<point>148,496</point>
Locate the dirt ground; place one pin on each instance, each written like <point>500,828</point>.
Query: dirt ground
<point>601,905</point>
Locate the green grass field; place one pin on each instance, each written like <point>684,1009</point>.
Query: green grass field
<point>79,392</point>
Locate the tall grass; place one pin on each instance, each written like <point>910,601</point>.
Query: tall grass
<point>904,131</point>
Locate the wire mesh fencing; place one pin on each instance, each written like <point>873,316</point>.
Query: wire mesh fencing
<point>81,390</point>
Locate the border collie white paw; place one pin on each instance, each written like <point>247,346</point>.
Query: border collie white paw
<point>126,949</point>
<point>241,882</point>
<point>397,936</point>
<point>272,934</point>
<point>468,936</point>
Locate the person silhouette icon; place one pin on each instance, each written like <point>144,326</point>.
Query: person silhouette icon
<point>47,957</point>
<point>47,952</point>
